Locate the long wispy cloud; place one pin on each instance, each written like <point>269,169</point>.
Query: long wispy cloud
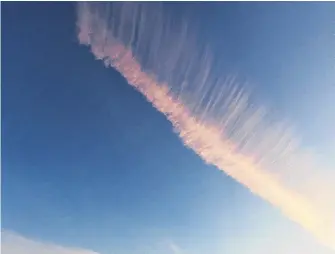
<point>13,243</point>
<point>212,114</point>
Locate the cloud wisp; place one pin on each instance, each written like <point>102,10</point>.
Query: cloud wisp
<point>13,243</point>
<point>213,115</point>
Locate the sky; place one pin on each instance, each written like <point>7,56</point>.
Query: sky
<point>89,166</point>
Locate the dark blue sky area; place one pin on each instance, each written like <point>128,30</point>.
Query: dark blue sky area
<point>77,141</point>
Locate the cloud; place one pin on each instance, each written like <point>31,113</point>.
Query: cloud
<point>211,115</point>
<point>13,243</point>
<point>175,248</point>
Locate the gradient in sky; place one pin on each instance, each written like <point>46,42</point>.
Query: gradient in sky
<point>87,162</point>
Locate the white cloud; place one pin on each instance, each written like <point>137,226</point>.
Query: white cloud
<point>12,243</point>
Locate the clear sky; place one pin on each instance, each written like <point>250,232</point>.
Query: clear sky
<point>88,163</point>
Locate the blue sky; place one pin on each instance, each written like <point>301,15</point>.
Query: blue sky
<point>87,162</point>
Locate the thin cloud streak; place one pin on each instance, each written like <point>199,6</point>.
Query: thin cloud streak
<point>176,249</point>
<point>13,243</point>
<point>213,116</point>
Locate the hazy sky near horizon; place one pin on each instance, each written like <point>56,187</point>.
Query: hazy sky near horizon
<point>88,163</point>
